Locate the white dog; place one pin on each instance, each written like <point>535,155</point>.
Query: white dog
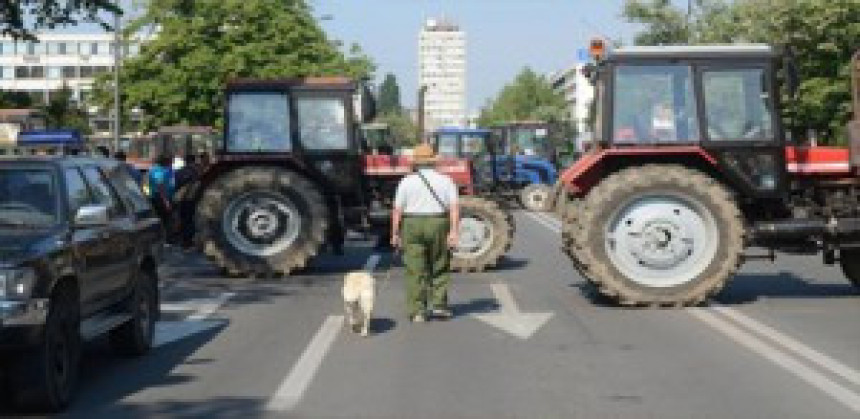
<point>358,297</point>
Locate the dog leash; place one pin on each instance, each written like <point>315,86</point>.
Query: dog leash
<point>387,278</point>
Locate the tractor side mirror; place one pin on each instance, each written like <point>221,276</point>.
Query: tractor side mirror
<point>589,71</point>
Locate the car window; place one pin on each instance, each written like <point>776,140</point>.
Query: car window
<point>128,188</point>
<point>322,123</point>
<point>76,190</point>
<point>28,196</point>
<point>102,192</point>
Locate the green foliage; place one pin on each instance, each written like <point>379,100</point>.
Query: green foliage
<point>179,76</point>
<point>823,34</point>
<point>62,112</point>
<point>665,23</point>
<point>19,18</point>
<point>19,100</point>
<point>529,97</point>
<point>403,129</point>
<point>389,95</point>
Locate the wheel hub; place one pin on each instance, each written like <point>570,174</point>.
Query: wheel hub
<point>475,236</point>
<point>261,223</point>
<point>661,244</point>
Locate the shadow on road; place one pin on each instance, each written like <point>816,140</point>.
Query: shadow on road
<point>107,379</point>
<point>215,408</point>
<point>476,306</point>
<point>748,288</point>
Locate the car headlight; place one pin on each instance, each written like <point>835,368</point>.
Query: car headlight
<point>17,283</point>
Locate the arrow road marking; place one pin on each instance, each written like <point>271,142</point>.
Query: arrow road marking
<point>510,319</point>
<point>198,321</point>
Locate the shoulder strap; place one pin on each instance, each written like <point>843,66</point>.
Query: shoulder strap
<point>430,188</point>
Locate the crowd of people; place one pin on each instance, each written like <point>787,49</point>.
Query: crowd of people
<point>165,181</point>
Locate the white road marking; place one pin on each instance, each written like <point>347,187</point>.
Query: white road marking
<point>201,308</point>
<point>293,387</point>
<point>791,344</point>
<point>818,380</point>
<point>544,222</point>
<point>198,321</point>
<point>510,319</point>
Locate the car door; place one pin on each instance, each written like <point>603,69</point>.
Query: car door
<point>118,237</point>
<point>90,252</point>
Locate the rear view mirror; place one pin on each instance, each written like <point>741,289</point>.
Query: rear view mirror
<point>92,216</point>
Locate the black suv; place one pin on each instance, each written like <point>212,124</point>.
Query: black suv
<point>79,250</point>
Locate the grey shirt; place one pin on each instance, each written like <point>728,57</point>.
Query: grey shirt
<point>414,198</point>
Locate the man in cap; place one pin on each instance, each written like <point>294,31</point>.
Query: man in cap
<point>426,207</point>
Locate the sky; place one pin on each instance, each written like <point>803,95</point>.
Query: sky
<point>503,36</point>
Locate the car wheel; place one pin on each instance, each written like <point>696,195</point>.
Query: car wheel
<point>44,380</point>
<point>135,337</point>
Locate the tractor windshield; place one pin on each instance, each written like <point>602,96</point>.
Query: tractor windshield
<point>258,122</point>
<point>473,144</point>
<point>737,105</point>
<point>528,141</point>
<point>446,144</point>
<point>654,104</point>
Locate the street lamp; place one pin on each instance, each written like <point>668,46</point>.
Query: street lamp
<point>117,47</point>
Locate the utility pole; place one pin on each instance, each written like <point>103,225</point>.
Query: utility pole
<point>117,57</point>
<point>421,93</point>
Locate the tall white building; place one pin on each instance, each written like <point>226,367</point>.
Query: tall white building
<point>74,60</point>
<point>442,68</point>
<point>579,94</point>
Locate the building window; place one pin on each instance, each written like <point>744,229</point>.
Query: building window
<point>22,72</point>
<point>104,48</point>
<point>86,71</point>
<point>55,72</point>
<point>8,72</point>
<point>93,48</point>
<point>62,48</point>
<point>37,72</point>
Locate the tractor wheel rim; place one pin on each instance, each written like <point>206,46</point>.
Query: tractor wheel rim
<point>261,224</point>
<point>661,241</point>
<point>537,198</point>
<point>475,237</point>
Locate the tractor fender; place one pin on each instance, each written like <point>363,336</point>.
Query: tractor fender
<point>588,171</point>
<point>542,166</point>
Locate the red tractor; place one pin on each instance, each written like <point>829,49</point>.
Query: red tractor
<point>691,167</point>
<point>292,174</point>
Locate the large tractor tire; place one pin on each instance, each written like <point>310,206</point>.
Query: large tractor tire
<point>570,228</point>
<point>849,259</point>
<point>486,234</point>
<point>657,235</point>
<point>261,221</point>
<point>536,197</point>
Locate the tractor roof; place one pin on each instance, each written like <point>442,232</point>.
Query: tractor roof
<point>327,83</point>
<point>461,130</point>
<point>695,51</point>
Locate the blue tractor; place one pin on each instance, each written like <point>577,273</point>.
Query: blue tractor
<point>526,149</point>
<point>502,167</point>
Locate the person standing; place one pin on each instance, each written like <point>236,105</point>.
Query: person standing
<point>162,185</point>
<point>185,178</point>
<point>426,210</point>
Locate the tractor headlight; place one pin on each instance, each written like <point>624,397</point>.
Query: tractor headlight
<point>17,283</point>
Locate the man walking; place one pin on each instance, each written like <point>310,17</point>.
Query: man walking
<point>426,210</point>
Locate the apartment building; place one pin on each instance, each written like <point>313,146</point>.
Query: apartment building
<point>442,69</point>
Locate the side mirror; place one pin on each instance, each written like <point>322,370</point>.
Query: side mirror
<point>92,216</point>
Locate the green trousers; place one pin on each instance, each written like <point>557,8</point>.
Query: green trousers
<point>427,259</point>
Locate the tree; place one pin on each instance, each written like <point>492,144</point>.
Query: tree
<point>822,34</point>
<point>20,18</point>
<point>389,95</point>
<point>529,96</point>
<point>179,76</point>
<point>62,112</point>
<point>402,128</point>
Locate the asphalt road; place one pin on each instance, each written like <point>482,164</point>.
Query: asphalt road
<point>529,340</point>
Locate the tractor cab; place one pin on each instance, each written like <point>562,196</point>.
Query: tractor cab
<point>175,141</point>
<point>377,138</point>
<point>690,165</point>
<point>714,103</point>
